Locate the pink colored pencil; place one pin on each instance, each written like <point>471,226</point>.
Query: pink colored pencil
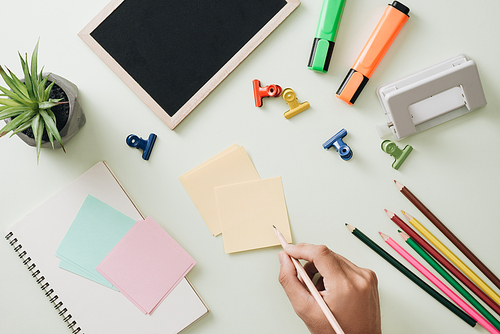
<point>447,291</point>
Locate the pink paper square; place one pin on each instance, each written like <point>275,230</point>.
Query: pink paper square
<point>146,265</point>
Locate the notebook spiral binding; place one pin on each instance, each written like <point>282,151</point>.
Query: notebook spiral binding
<point>45,286</point>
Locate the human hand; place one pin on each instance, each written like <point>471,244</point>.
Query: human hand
<point>350,292</point>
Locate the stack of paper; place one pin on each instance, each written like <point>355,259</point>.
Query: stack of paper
<point>96,229</point>
<point>233,200</point>
<point>139,259</point>
<point>146,265</point>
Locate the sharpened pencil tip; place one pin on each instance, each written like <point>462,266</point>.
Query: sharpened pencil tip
<point>384,236</point>
<point>274,227</point>
<point>407,215</point>
<point>399,185</point>
<point>404,235</point>
<point>389,213</point>
<point>350,227</point>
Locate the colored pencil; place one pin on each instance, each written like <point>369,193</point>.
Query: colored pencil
<point>453,258</point>
<point>408,273</point>
<point>466,251</point>
<point>443,261</point>
<point>451,280</point>
<point>310,285</point>
<point>443,287</point>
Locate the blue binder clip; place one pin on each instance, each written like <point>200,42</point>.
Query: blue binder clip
<point>145,145</point>
<point>336,141</point>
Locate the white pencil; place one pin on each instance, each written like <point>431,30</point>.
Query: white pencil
<point>321,302</point>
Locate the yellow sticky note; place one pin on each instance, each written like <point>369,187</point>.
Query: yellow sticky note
<point>233,167</point>
<point>248,212</point>
<point>212,159</point>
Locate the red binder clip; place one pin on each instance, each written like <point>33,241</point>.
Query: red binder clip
<point>267,91</point>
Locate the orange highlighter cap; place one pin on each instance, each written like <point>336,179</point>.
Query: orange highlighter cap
<point>393,19</point>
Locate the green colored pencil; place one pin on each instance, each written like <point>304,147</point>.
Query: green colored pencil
<point>413,244</point>
<point>408,273</point>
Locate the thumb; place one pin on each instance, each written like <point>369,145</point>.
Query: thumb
<point>288,279</point>
<point>300,298</point>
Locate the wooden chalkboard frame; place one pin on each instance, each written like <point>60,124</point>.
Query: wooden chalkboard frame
<point>207,88</point>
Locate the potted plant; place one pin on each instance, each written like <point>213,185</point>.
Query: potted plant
<point>42,109</point>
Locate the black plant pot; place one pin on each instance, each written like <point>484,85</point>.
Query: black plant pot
<point>68,121</point>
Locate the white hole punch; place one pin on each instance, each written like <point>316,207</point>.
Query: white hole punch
<point>430,97</point>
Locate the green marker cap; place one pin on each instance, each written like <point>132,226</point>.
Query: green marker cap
<point>328,25</point>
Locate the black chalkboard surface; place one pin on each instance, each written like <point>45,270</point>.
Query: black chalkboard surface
<point>173,53</point>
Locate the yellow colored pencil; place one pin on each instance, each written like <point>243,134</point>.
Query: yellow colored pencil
<point>453,258</point>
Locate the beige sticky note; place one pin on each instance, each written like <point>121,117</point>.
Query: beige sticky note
<point>233,167</point>
<point>248,212</point>
<point>215,157</point>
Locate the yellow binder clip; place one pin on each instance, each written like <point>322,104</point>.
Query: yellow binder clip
<point>294,105</point>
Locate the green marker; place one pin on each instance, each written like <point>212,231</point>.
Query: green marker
<point>328,25</point>
<point>413,244</point>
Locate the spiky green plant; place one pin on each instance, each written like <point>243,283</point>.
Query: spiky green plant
<point>28,103</point>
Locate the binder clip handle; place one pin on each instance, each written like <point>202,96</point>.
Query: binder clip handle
<point>268,91</point>
<point>294,105</point>
<point>342,148</point>
<point>400,155</point>
<point>145,145</point>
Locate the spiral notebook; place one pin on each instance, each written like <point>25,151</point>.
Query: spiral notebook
<point>85,306</point>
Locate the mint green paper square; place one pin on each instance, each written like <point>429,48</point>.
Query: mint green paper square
<point>96,230</point>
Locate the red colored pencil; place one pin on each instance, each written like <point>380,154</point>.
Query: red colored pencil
<point>439,284</point>
<point>426,212</point>
<point>441,259</point>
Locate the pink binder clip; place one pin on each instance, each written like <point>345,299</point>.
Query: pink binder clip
<point>267,91</point>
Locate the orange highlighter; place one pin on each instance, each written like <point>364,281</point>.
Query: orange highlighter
<point>394,18</point>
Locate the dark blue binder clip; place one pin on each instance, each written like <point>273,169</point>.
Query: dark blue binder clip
<point>336,141</point>
<point>145,145</point>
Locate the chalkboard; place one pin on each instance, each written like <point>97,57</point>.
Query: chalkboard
<point>173,53</point>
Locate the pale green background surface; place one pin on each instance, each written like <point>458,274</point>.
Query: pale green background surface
<point>453,168</point>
